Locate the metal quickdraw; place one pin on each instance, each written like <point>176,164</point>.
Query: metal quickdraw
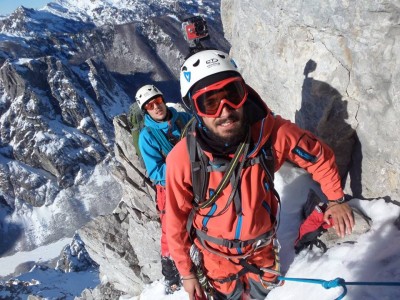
<point>275,270</point>
<point>197,259</point>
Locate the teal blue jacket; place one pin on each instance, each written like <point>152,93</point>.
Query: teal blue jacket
<point>153,153</point>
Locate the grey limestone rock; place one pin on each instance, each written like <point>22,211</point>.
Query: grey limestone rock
<point>104,291</point>
<point>361,226</point>
<point>126,244</point>
<point>333,68</point>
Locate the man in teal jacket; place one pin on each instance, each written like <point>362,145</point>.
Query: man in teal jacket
<point>163,126</point>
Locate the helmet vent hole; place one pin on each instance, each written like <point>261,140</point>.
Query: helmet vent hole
<point>184,68</point>
<point>222,56</point>
<point>196,63</point>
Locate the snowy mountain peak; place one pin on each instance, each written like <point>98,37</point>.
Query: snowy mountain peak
<point>123,11</point>
<point>25,22</point>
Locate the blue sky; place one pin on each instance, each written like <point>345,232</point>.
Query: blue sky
<point>8,6</point>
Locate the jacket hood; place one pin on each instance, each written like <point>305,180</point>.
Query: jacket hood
<point>261,120</point>
<point>148,121</point>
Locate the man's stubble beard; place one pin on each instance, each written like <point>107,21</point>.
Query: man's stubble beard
<point>235,137</point>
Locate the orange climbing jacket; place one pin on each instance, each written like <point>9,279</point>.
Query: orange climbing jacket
<point>231,229</point>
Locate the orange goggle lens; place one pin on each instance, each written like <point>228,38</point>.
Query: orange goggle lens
<point>210,100</point>
<point>150,105</point>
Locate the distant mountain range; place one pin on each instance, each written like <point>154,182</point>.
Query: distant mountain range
<point>65,72</point>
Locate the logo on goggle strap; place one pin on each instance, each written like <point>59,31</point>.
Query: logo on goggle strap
<point>187,76</point>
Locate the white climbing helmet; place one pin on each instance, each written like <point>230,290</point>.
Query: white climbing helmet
<point>203,64</point>
<point>145,93</point>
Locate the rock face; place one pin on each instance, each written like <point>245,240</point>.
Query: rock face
<point>42,281</point>
<point>74,257</point>
<point>362,225</point>
<point>333,68</point>
<point>126,244</point>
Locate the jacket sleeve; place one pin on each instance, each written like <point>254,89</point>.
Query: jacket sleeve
<point>178,206</point>
<point>310,153</point>
<point>152,157</point>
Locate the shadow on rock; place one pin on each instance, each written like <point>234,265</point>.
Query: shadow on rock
<point>324,113</point>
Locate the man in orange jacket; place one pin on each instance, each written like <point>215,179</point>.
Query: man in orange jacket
<point>233,224</point>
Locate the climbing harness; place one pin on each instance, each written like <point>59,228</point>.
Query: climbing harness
<point>201,168</point>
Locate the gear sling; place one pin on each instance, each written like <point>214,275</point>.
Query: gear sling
<point>200,173</point>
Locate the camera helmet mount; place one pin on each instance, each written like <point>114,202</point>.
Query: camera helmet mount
<point>194,30</point>
<point>201,65</point>
<point>145,93</point>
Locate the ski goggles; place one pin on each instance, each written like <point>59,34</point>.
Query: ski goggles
<point>210,100</point>
<point>150,105</point>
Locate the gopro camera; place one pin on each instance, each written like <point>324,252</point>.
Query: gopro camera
<point>195,28</point>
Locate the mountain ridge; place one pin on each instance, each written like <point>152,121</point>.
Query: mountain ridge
<point>66,72</point>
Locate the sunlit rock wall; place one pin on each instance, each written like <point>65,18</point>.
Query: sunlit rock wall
<point>332,67</point>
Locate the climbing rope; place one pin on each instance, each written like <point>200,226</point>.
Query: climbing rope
<point>338,282</point>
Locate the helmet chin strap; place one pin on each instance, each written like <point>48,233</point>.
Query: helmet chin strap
<point>187,102</point>
<point>200,122</point>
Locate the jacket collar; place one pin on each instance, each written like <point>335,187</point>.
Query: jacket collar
<point>149,122</point>
<point>261,120</point>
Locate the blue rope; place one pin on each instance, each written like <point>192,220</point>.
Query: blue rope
<point>338,282</point>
